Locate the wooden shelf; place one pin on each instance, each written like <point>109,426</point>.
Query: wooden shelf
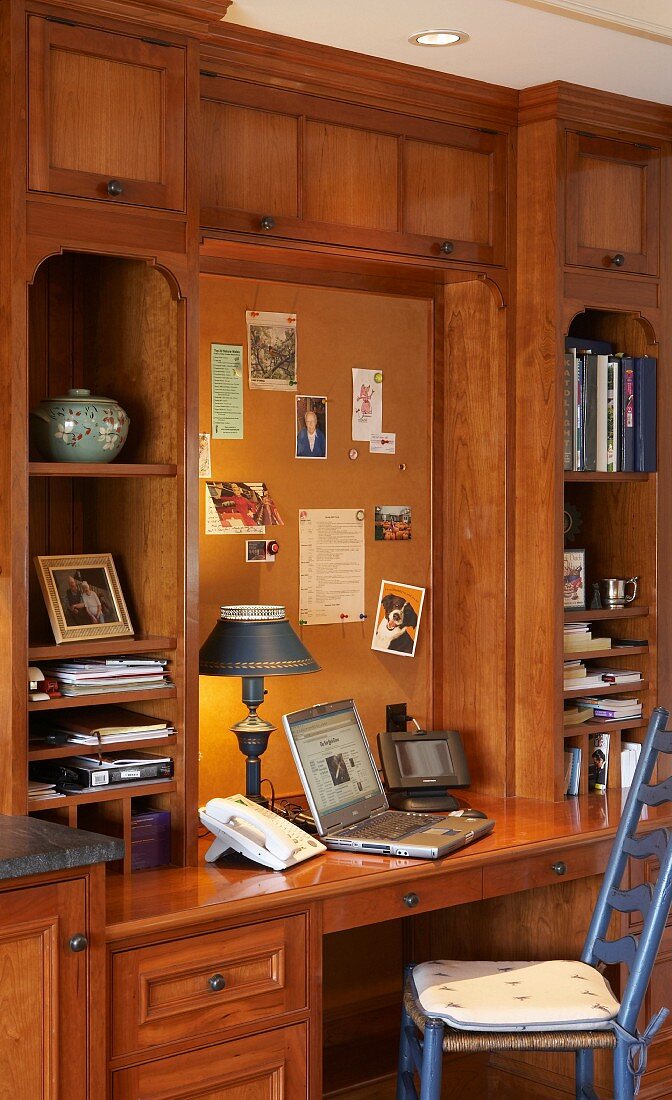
<point>99,700</point>
<point>575,475</point>
<point>608,689</point>
<point>101,469</point>
<point>56,752</point>
<point>605,727</point>
<point>615,651</point>
<point>105,794</point>
<point>632,611</point>
<point>146,643</point>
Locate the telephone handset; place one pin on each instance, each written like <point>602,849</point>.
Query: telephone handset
<point>257,833</point>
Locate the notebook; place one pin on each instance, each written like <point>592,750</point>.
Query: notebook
<point>346,796</point>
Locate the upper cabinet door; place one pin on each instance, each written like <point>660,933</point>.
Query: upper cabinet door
<point>106,116</point>
<point>294,167</point>
<point>613,204</point>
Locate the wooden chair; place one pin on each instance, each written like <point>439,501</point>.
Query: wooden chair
<point>463,1007</point>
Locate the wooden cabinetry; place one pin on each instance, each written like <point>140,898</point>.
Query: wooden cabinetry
<point>314,169</point>
<point>613,203</point>
<point>106,115</point>
<point>50,998</point>
<point>578,201</point>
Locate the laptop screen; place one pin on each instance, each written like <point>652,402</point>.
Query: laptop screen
<point>334,758</point>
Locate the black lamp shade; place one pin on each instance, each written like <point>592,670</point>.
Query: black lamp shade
<point>255,648</point>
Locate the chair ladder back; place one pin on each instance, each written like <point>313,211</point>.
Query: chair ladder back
<point>624,839</point>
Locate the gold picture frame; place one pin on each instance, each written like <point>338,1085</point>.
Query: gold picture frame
<point>83,597</point>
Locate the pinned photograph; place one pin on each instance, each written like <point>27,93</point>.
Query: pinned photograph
<point>258,550</point>
<point>398,618</point>
<point>311,427</point>
<point>271,342</point>
<point>574,579</point>
<point>241,506</point>
<point>204,464</point>
<point>83,597</point>
<point>392,523</point>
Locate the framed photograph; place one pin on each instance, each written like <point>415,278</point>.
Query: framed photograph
<point>398,618</point>
<point>574,579</point>
<point>83,597</point>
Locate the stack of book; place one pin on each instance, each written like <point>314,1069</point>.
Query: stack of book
<point>572,770</point>
<point>611,709</point>
<point>42,792</point>
<point>619,675</point>
<point>106,725</point>
<point>630,752</point>
<point>578,636</point>
<point>96,676</point>
<point>609,412</point>
<point>576,675</point>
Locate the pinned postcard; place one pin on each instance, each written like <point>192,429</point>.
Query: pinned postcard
<point>398,618</point>
<point>226,369</point>
<point>258,550</point>
<point>367,403</point>
<point>331,569</point>
<point>392,523</point>
<point>271,341</point>
<point>311,427</point>
<point>383,444</point>
<point>239,507</point>
<point>204,466</point>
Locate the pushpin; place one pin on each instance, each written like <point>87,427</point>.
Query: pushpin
<point>273,547</point>
<point>363,616</point>
<point>343,616</point>
<point>303,622</point>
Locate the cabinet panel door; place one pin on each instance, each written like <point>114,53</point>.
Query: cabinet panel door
<point>105,107</point>
<point>43,986</point>
<point>350,176</point>
<point>613,204</point>
<point>270,1066</point>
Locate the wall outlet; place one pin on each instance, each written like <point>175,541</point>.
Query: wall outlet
<point>396,718</point>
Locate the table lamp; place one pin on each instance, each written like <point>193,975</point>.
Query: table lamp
<point>253,642</point>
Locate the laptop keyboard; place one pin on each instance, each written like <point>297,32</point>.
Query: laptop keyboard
<point>393,825</point>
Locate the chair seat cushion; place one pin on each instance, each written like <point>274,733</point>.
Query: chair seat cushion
<point>515,996</point>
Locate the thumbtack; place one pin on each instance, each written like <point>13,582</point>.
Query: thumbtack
<point>362,616</point>
<point>303,622</point>
<point>343,616</point>
<point>402,465</point>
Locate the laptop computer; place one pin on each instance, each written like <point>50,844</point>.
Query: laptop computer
<point>347,798</point>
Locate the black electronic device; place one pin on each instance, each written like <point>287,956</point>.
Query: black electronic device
<point>420,767</point>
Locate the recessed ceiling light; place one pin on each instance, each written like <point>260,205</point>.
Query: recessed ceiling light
<point>438,38</point>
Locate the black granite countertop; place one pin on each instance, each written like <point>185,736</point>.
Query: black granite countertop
<point>30,846</point>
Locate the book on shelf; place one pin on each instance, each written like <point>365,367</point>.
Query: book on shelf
<point>618,675</point>
<point>598,768</point>
<point>578,642</point>
<point>627,413</point>
<point>574,716</point>
<point>568,769</point>
<point>574,771</point>
<point>630,753</point>
<point>645,413</point>
<point>602,411</point>
<point>569,443</point>
<point>42,792</point>
<point>590,680</point>
<point>609,709</point>
<point>97,688</point>
<point>589,417</point>
<point>102,725</point>
<point>613,415</point>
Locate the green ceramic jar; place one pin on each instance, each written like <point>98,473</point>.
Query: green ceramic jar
<point>79,427</point>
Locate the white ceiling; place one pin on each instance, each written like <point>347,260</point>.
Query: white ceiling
<point>618,45</point>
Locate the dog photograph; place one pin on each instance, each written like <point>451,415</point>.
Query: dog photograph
<point>398,618</point>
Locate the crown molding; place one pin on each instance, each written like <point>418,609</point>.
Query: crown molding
<point>608,16</point>
<point>191,16</point>
<point>593,108</point>
<point>257,56</point>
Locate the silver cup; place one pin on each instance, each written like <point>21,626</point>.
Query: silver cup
<point>614,591</point>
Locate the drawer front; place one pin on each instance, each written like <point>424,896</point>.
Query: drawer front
<point>207,983</point>
<point>272,1066</point>
<point>558,865</point>
<point>404,900</point>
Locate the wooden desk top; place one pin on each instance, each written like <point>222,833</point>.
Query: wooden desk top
<point>161,900</point>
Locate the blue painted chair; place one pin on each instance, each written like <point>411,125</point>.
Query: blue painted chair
<point>464,1007</point>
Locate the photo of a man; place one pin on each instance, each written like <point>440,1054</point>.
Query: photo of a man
<point>311,427</point>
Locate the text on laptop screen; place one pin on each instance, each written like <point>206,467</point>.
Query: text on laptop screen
<point>335,760</point>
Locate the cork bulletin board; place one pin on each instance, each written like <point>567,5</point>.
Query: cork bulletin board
<point>337,330</point>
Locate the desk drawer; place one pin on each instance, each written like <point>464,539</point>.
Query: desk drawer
<point>404,900</point>
<point>207,983</point>
<point>556,865</point>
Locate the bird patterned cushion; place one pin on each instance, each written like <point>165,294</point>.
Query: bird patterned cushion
<point>515,996</point>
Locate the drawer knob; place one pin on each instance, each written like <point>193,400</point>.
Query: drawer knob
<point>618,260</point>
<point>411,900</point>
<point>78,942</point>
<point>267,222</point>
<point>446,247</point>
<point>115,188</point>
<point>217,982</point>
<point>560,868</point>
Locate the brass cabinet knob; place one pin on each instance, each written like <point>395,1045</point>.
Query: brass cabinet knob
<point>267,222</point>
<point>217,982</point>
<point>560,868</point>
<point>618,260</point>
<point>78,942</point>
<point>446,247</point>
<point>114,188</point>
<point>411,900</point>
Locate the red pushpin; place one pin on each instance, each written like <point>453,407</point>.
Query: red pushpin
<point>273,547</point>
<point>343,616</point>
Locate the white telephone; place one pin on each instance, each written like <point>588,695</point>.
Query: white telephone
<point>257,833</point>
